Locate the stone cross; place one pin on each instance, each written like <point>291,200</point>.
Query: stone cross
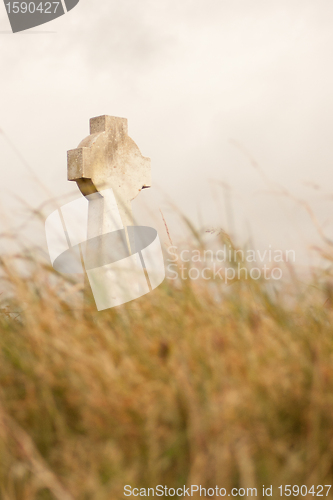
<point>108,158</point>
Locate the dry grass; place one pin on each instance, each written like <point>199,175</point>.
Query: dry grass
<point>182,389</point>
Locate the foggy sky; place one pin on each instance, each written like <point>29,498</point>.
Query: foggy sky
<point>236,92</point>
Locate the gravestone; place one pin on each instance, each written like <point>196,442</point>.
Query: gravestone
<point>108,159</point>
<point>110,172</point>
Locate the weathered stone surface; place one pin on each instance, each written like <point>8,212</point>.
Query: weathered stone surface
<point>109,158</point>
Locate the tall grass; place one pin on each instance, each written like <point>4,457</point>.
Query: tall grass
<point>230,387</point>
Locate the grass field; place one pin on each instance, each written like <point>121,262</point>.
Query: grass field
<point>228,386</point>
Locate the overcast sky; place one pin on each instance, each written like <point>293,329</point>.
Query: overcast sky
<point>216,91</point>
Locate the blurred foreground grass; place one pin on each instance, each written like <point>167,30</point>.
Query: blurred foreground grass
<point>184,388</point>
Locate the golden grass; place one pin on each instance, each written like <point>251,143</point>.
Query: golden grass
<point>182,389</point>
